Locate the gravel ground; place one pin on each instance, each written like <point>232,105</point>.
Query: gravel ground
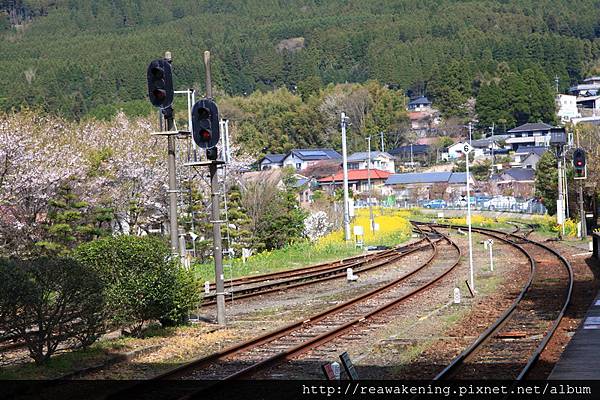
<point>585,288</point>
<point>253,317</point>
<point>404,343</point>
<point>413,341</point>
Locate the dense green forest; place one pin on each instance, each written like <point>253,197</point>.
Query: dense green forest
<point>77,57</point>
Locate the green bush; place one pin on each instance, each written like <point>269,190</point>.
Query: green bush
<point>142,281</point>
<point>50,303</point>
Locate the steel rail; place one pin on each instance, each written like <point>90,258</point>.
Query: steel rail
<point>486,335</point>
<point>201,362</point>
<point>281,332</point>
<point>248,279</point>
<point>270,336</point>
<point>338,331</point>
<point>317,277</point>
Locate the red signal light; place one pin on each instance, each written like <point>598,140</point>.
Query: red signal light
<point>160,94</point>
<point>205,135</point>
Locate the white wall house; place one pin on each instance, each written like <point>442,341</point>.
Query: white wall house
<point>455,151</point>
<point>567,107</point>
<point>529,134</point>
<point>379,160</point>
<point>300,159</point>
<point>271,161</point>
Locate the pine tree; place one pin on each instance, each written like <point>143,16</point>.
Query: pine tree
<point>71,221</point>
<point>546,181</point>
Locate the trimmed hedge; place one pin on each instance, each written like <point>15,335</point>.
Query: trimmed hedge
<point>142,281</point>
<point>51,303</point>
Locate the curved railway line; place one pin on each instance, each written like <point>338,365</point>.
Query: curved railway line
<point>253,356</point>
<point>507,349</point>
<point>510,347</point>
<point>258,285</point>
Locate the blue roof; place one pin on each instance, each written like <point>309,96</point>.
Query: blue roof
<point>458,177</point>
<point>539,150</point>
<point>273,158</point>
<point>301,182</point>
<point>521,174</point>
<point>427,177</point>
<point>363,155</point>
<point>531,127</point>
<point>315,154</point>
<point>419,100</point>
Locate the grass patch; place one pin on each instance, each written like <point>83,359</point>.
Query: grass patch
<point>296,255</point>
<point>59,364</point>
<point>394,229</point>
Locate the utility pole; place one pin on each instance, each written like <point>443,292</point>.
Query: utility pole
<point>344,121</point>
<point>466,150</point>
<point>227,144</point>
<point>412,164</point>
<point>370,191</point>
<point>215,216</point>
<point>382,144</point>
<point>577,163</point>
<point>492,143</point>
<point>470,132</point>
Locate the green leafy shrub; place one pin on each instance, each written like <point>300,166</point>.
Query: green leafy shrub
<point>142,281</point>
<point>51,303</point>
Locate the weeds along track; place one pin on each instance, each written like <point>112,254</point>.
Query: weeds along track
<point>255,355</point>
<point>509,347</point>
<point>252,286</point>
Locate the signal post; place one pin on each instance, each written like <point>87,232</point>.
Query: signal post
<point>160,92</point>
<point>580,166</point>
<point>205,132</point>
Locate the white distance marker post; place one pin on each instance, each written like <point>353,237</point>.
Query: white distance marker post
<point>466,148</point>
<point>490,243</point>
<point>456,296</point>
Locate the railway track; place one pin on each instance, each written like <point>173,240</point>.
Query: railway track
<point>510,347</point>
<point>258,354</point>
<point>284,280</point>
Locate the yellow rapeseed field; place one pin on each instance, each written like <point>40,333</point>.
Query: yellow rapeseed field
<point>394,227</point>
<point>477,220</point>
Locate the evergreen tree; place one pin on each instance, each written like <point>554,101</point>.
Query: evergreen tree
<point>70,221</point>
<point>546,181</point>
<point>239,223</point>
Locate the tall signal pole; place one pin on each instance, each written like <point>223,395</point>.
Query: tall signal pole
<point>560,215</point>
<point>344,121</point>
<point>215,215</point>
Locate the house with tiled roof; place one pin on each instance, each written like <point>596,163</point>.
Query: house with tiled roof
<point>528,156</point>
<point>357,180</point>
<point>379,160</point>
<point>519,181</point>
<point>417,153</point>
<point>417,186</point>
<point>419,104</point>
<point>529,134</point>
<point>270,161</point>
<point>300,159</point>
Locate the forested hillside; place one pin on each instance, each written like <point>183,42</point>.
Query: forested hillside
<point>76,57</point>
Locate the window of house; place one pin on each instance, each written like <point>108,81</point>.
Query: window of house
<point>298,165</point>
